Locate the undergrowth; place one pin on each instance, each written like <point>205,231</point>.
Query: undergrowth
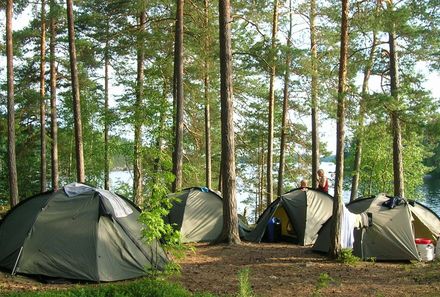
<point>245,288</point>
<point>140,288</point>
<point>323,282</point>
<point>347,257</point>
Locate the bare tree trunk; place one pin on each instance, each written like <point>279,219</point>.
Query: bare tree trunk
<point>12,165</point>
<point>285,107</point>
<point>261,177</point>
<point>360,128</point>
<point>43,168</point>
<point>160,139</point>
<point>53,97</point>
<point>137,166</point>
<point>335,247</point>
<point>272,71</point>
<point>106,113</point>
<point>230,217</point>
<point>80,172</point>
<point>178,94</point>
<point>399,189</point>
<point>397,155</point>
<point>314,93</point>
<point>220,181</point>
<point>208,166</point>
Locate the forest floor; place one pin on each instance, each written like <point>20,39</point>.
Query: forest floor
<point>281,269</point>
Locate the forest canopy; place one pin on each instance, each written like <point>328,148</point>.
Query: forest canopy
<point>128,119</point>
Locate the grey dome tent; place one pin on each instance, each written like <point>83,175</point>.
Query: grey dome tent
<point>78,232</point>
<point>394,225</point>
<point>197,212</point>
<point>302,213</point>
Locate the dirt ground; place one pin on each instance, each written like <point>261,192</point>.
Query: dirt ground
<point>290,270</point>
<point>284,270</point>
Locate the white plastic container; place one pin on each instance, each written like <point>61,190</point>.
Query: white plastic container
<point>425,249</point>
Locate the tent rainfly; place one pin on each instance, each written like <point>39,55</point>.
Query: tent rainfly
<point>197,213</point>
<point>78,232</point>
<point>302,213</point>
<point>394,224</point>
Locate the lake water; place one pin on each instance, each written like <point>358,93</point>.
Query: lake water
<point>430,188</point>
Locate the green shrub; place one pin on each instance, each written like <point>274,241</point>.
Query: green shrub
<point>347,257</point>
<point>323,282</point>
<point>245,289</point>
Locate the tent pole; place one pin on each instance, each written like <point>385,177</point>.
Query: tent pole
<point>16,261</point>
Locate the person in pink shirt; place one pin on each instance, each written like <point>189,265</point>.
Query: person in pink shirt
<point>322,181</point>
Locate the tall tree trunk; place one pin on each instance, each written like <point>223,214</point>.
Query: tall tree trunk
<point>230,217</point>
<point>220,180</point>
<point>314,93</point>
<point>360,125</point>
<point>106,113</point>
<point>285,106</point>
<point>260,189</point>
<point>80,172</point>
<point>137,166</point>
<point>12,165</point>
<point>261,177</point>
<point>395,121</point>
<point>208,166</point>
<point>160,138</point>
<point>53,98</point>
<point>272,71</point>
<point>43,167</point>
<point>178,95</point>
<point>335,248</point>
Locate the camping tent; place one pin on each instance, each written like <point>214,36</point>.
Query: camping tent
<point>77,232</point>
<point>198,214</point>
<point>394,225</point>
<point>301,212</point>
<point>348,222</point>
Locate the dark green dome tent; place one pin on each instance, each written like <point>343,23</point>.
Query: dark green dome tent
<point>302,213</point>
<point>78,232</point>
<point>197,212</point>
<point>391,232</point>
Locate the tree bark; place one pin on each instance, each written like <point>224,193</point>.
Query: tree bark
<point>272,71</point>
<point>285,107</point>
<point>208,164</point>
<point>43,167</point>
<point>230,217</point>
<point>53,98</point>
<point>80,172</point>
<point>179,99</point>
<point>12,165</point>
<point>360,125</point>
<point>335,247</point>
<point>261,177</point>
<point>399,189</point>
<point>137,166</point>
<point>106,112</point>
<point>314,93</point>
